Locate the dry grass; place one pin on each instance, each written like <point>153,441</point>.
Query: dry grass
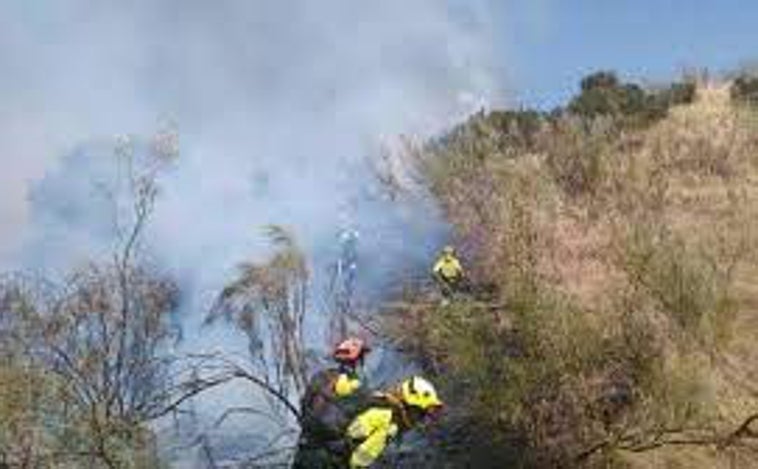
<point>585,230</point>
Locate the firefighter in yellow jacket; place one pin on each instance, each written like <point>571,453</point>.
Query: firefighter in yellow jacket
<point>395,412</point>
<point>332,399</point>
<point>448,272</point>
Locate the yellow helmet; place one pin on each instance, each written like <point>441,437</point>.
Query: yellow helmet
<point>418,392</point>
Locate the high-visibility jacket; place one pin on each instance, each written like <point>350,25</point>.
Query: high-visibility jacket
<point>332,399</point>
<point>448,267</point>
<point>346,385</point>
<point>374,428</point>
<point>371,430</point>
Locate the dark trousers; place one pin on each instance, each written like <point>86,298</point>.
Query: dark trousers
<point>312,455</point>
<point>450,286</point>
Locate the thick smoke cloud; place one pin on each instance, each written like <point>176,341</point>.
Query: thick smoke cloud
<point>277,104</point>
<point>274,102</point>
<point>279,93</point>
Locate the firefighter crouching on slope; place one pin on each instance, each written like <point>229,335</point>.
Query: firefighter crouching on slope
<point>332,398</point>
<point>388,416</point>
<point>448,273</point>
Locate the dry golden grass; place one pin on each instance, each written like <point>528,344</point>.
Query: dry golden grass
<point>707,154</point>
<point>679,198</point>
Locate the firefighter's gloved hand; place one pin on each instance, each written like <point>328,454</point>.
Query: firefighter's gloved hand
<point>392,431</point>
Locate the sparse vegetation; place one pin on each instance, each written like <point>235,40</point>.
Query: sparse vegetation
<point>84,357</point>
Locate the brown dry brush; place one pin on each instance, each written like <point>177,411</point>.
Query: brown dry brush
<point>617,250</point>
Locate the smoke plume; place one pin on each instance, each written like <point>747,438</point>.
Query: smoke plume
<point>278,105</point>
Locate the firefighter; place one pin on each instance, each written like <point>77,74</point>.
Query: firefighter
<point>388,417</point>
<point>448,272</point>
<point>332,398</point>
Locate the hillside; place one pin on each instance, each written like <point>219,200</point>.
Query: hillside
<point>611,246</point>
<point>619,234</point>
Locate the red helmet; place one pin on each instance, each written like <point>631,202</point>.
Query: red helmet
<point>350,350</point>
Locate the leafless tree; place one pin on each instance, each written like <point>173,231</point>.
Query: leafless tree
<point>98,339</point>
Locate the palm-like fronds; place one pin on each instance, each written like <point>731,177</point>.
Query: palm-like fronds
<point>268,299</point>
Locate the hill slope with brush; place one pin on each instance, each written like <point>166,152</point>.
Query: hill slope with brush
<point>619,234</point>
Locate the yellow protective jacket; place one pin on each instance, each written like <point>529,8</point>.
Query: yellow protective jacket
<point>346,385</point>
<point>374,428</point>
<point>448,267</point>
<point>330,402</point>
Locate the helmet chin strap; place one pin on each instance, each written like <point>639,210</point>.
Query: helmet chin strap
<point>347,368</point>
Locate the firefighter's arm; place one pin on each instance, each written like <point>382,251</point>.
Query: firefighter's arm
<point>375,428</point>
<point>458,268</point>
<point>437,266</point>
<point>437,271</point>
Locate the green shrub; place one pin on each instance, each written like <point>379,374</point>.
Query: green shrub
<point>517,129</point>
<point>540,382</point>
<point>685,282</point>
<point>679,93</point>
<point>602,94</point>
<point>744,90</point>
<point>599,80</point>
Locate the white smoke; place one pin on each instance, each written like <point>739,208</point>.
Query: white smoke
<point>277,105</point>
<point>276,102</point>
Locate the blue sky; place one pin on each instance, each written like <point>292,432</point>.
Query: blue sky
<point>551,44</point>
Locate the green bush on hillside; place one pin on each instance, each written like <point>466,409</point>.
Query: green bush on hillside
<point>678,93</point>
<point>603,94</point>
<point>744,89</point>
<point>577,139</point>
<point>518,128</point>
